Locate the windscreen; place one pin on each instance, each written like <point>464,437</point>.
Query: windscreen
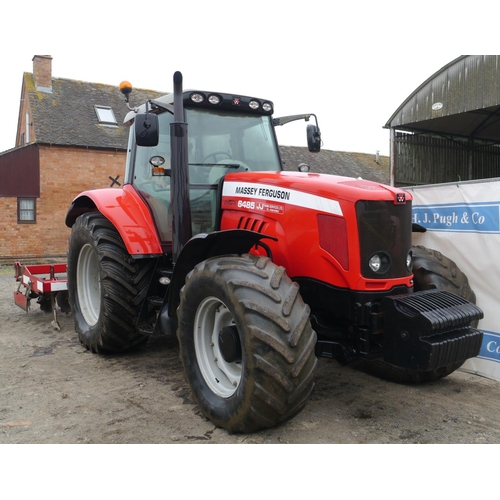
<point>218,143</point>
<point>229,142</point>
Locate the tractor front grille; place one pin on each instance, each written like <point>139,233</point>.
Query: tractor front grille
<point>384,226</point>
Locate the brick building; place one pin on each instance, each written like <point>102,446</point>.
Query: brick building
<point>70,138</point>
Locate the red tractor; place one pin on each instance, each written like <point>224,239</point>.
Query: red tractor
<point>257,271</point>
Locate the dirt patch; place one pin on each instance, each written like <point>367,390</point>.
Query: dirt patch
<point>54,391</point>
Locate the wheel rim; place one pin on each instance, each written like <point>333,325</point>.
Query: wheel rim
<point>222,377</point>
<point>88,285</point>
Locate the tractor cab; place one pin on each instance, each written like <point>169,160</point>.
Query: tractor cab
<point>230,137</point>
<point>227,133</point>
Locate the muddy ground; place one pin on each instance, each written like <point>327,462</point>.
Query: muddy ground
<point>52,390</point>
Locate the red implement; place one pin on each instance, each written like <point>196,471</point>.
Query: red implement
<point>44,282</point>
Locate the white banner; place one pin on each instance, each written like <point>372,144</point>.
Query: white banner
<point>463,223</point>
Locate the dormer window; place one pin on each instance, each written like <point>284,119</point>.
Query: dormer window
<point>105,115</point>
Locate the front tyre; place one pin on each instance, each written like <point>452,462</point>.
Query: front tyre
<point>106,286</point>
<point>246,342</point>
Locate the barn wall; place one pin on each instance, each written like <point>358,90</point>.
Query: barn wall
<point>430,160</point>
<point>64,173</point>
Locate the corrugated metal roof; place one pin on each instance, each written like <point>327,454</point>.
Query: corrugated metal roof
<point>461,99</point>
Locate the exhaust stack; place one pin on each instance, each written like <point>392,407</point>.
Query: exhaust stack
<point>181,211</point>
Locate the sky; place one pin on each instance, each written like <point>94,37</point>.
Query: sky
<point>352,66</point>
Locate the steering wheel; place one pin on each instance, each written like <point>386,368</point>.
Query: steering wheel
<point>159,186</point>
<point>214,155</point>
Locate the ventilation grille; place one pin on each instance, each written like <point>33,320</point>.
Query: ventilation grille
<point>251,224</point>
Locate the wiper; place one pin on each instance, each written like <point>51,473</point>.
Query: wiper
<point>229,165</point>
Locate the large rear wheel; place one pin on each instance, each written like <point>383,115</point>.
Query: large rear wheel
<point>246,342</point>
<point>432,271</point>
<point>106,286</point>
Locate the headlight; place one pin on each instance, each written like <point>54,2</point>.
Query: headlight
<point>267,107</point>
<point>254,104</point>
<point>213,99</point>
<point>408,261</point>
<point>157,161</point>
<point>379,263</point>
<point>197,98</point>
<point>375,263</point>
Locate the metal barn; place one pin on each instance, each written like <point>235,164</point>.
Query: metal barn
<point>448,129</point>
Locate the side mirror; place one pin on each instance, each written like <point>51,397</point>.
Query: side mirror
<point>313,139</point>
<point>146,129</point>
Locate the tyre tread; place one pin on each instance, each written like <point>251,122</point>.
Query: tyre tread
<point>282,357</point>
<point>124,284</point>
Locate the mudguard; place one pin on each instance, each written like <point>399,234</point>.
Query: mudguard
<point>126,210</point>
<point>202,247</point>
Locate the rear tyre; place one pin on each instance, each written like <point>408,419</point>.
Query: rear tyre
<point>106,286</point>
<point>432,270</point>
<point>246,342</point>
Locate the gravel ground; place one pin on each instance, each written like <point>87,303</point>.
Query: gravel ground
<point>54,391</point>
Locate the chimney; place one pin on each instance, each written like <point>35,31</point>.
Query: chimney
<point>42,73</point>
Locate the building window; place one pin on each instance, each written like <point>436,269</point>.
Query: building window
<point>26,210</point>
<point>105,115</point>
<point>27,139</point>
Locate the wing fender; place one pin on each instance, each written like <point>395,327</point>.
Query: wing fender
<point>126,210</point>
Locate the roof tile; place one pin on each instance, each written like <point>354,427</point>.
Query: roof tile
<point>67,115</point>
